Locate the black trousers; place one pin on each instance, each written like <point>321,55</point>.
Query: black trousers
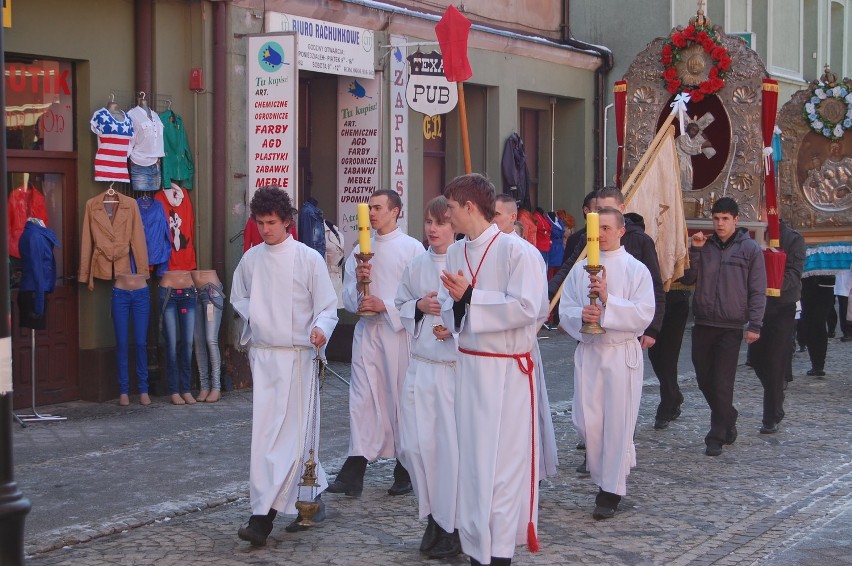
<point>665,353</point>
<point>771,357</point>
<point>817,301</point>
<point>845,325</point>
<point>715,352</point>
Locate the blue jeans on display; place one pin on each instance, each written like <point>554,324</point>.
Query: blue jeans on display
<point>145,177</point>
<point>178,321</point>
<point>208,318</point>
<point>131,307</point>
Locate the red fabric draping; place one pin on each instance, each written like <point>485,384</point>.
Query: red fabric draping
<point>767,122</point>
<point>620,98</point>
<point>775,261</point>
<point>452,32</point>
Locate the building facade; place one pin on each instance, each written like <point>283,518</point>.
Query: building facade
<point>65,61</point>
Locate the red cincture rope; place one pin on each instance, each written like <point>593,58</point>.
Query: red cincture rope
<point>532,539</point>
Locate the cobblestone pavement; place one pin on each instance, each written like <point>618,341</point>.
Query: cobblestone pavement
<point>168,485</point>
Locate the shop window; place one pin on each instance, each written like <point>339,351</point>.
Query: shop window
<point>39,104</point>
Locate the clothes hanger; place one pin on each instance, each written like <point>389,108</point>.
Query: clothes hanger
<point>110,196</point>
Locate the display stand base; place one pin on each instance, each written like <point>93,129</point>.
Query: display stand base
<point>35,416</point>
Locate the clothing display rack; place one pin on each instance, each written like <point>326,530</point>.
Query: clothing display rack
<point>35,416</point>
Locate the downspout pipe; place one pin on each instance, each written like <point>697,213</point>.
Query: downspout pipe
<point>607,63</point>
<point>218,187</point>
<point>144,16</point>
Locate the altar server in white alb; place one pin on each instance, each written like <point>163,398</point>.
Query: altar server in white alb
<point>494,296</point>
<point>506,212</point>
<point>379,348</point>
<point>285,297</point>
<point>427,418</point>
<point>608,367</point>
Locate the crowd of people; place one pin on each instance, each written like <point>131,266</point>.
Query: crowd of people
<point>446,369</point>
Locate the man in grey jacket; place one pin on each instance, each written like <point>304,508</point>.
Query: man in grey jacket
<point>730,277</point>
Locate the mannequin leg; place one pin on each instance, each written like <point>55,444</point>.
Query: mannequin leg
<point>186,321</point>
<point>199,341</point>
<point>141,310</point>
<point>120,314</point>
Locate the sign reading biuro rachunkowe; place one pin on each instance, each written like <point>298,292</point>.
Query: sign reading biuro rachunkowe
<point>272,108</point>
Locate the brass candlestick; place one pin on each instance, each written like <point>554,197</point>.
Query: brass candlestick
<point>592,327</point>
<point>365,258</point>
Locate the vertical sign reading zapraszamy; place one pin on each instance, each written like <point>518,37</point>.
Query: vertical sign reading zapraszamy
<point>399,125</point>
<point>272,107</point>
<point>359,116</point>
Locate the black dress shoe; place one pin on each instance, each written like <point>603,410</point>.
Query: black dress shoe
<point>602,512</point>
<point>676,413</point>
<point>661,424</point>
<point>713,450</point>
<point>338,486</point>
<point>846,338</point>
<point>814,372</point>
<point>400,487</point>
<point>731,435</point>
<point>769,429</point>
<point>430,536</point>
<point>318,517</point>
<point>257,530</point>
<point>448,546</point>
<point>581,445</point>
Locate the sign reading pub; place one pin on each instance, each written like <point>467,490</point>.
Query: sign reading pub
<point>428,90</point>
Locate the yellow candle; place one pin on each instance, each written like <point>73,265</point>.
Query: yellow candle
<point>593,243</point>
<point>364,228</point>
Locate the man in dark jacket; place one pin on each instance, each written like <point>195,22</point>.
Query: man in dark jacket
<point>730,291</point>
<point>772,355</point>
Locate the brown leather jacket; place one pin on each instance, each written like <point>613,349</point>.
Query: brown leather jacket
<point>105,251</point>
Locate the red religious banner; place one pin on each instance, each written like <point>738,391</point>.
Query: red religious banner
<point>452,32</point>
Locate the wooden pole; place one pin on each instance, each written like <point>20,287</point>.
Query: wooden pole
<point>468,168</point>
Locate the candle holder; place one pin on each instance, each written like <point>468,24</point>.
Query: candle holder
<point>592,327</point>
<point>365,258</point>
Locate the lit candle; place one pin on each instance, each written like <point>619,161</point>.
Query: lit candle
<point>364,228</point>
<point>593,244</point>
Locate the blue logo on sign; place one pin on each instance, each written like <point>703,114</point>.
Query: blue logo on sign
<point>271,56</point>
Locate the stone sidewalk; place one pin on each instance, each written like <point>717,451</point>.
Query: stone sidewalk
<point>168,485</point>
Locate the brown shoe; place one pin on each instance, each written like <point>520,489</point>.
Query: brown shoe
<point>190,400</point>
<point>214,396</point>
<point>202,395</point>
<point>177,399</point>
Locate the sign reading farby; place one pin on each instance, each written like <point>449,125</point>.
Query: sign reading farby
<point>271,107</point>
<point>428,90</point>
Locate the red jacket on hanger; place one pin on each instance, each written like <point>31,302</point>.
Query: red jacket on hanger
<point>23,203</point>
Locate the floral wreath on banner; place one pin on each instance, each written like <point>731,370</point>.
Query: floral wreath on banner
<point>708,40</point>
<point>818,122</point>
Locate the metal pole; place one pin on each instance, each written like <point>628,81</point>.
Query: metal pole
<point>13,506</point>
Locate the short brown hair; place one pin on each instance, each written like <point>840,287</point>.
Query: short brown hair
<point>619,218</point>
<point>473,188</point>
<point>437,209</point>
<point>394,199</point>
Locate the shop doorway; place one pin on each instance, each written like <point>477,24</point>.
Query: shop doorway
<point>46,183</point>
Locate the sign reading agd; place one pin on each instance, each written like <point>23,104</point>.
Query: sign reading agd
<point>428,90</point>
<point>327,47</point>
<point>271,113</point>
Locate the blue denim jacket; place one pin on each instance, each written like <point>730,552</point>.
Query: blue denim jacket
<point>311,227</point>
<point>38,263</point>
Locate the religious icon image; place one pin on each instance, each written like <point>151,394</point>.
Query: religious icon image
<point>693,143</point>
<point>827,183</point>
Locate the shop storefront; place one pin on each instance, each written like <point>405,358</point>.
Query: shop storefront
<point>353,132</point>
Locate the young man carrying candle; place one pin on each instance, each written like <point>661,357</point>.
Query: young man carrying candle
<point>379,347</point>
<point>608,367</point>
<point>494,295</point>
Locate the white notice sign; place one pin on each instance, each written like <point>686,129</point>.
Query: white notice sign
<point>327,47</point>
<point>271,107</point>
